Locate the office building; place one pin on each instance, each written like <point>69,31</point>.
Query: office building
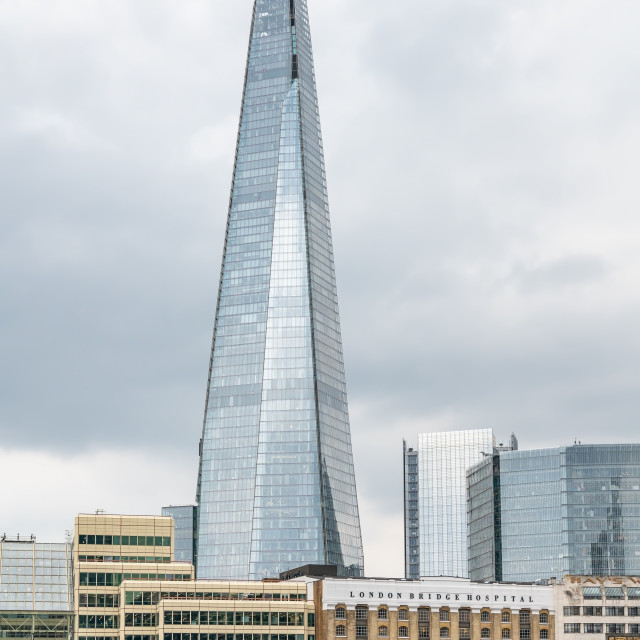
<point>440,508</point>
<point>110,550</point>
<point>185,528</point>
<point>432,609</point>
<point>35,589</point>
<point>551,512</point>
<point>276,484</point>
<point>596,605</point>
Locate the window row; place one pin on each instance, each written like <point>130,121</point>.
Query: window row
<point>134,541</point>
<point>105,600</point>
<point>597,611</point>
<point>91,579</point>
<point>258,618</point>
<point>140,620</point>
<point>611,593</point>
<point>464,615</point>
<point>83,558</point>
<point>236,636</point>
<point>423,632</point>
<point>597,627</point>
<point>98,622</point>
<point>152,597</point>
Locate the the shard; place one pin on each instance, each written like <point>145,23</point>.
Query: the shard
<point>276,485</point>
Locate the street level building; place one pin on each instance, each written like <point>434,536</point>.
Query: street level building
<point>435,510</point>
<point>36,589</point>
<point>276,484</point>
<point>552,512</point>
<point>432,609</point>
<point>109,550</point>
<point>597,606</point>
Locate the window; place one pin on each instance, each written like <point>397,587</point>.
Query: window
<point>403,614</point>
<point>423,632</point>
<point>341,613</point>
<point>633,611</point>
<point>614,611</point>
<point>591,593</point>
<point>633,593</point>
<point>485,632</point>
<point>382,614</point>
<point>485,616</point>
<point>341,631</point>
<point>525,634</point>
<point>544,617</point>
<point>633,628</point>
<point>383,632</point>
<point>525,617</point>
<point>544,634</point>
<point>506,616</point>
<point>444,632</point>
<point>615,628</point>
<point>572,611</point>
<point>361,613</point>
<point>572,627</point>
<point>403,632</point>
<point>613,593</point>
<point>506,633</point>
<point>592,627</point>
<point>590,611</point>
<point>444,615</point>
<point>465,633</point>
<point>423,615</point>
<point>361,631</point>
<point>464,616</point>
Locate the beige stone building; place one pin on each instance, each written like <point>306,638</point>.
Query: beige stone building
<point>127,587</point>
<point>597,606</point>
<point>432,609</point>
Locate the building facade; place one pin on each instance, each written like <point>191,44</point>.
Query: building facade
<point>109,551</point>
<point>589,606</point>
<point>432,609</point>
<point>411,514</point>
<point>550,512</point>
<point>442,462</point>
<point>276,484</point>
<point>36,590</point>
<point>184,531</point>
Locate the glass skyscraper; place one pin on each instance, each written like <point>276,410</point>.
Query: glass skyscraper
<point>550,512</point>
<point>442,463</point>
<point>276,486</point>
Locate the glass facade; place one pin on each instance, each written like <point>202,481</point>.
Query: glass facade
<point>572,510</point>
<point>443,460</point>
<point>276,485</point>
<point>36,590</point>
<point>184,537</point>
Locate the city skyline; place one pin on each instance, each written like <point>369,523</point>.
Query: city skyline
<point>485,234</point>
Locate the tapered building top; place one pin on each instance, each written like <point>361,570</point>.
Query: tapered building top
<point>276,485</point>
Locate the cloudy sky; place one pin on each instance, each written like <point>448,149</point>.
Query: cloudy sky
<point>482,161</point>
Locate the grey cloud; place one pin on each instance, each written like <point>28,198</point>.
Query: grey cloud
<point>567,272</point>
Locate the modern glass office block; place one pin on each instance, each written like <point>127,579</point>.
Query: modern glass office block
<point>443,460</point>
<point>185,522</point>
<point>36,590</point>
<point>276,485</point>
<point>570,510</point>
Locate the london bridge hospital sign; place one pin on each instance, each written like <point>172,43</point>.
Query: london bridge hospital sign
<point>439,592</point>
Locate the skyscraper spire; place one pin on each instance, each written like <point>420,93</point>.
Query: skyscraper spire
<point>276,485</point>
